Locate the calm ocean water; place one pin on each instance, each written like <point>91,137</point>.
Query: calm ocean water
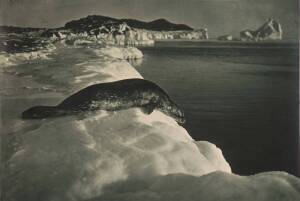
<point>241,96</point>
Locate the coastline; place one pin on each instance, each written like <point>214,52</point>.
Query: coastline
<point>237,42</point>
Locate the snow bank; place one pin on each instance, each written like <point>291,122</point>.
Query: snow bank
<point>127,155</point>
<point>73,158</point>
<point>69,76</point>
<point>216,186</point>
<point>109,72</point>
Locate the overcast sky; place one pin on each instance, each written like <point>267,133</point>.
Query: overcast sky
<point>219,16</point>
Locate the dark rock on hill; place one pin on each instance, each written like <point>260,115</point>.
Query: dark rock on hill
<point>164,25</point>
<point>94,21</point>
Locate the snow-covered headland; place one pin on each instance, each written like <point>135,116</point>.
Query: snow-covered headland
<point>122,32</point>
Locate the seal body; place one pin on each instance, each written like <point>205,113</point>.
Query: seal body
<point>112,96</point>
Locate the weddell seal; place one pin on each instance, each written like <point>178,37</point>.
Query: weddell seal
<point>112,96</point>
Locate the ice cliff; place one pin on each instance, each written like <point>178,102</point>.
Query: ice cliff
<point>271,30</point>
<point>113,31</point>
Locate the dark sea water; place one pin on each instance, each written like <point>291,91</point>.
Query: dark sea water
<point>243,97</point>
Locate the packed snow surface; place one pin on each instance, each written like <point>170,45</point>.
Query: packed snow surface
<point>122,53</point>
<point>216,186</point>
<point>74,158</point>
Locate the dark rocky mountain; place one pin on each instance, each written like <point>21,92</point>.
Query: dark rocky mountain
<point>94,21</point>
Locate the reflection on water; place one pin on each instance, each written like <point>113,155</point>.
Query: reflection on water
<point>241,97</point>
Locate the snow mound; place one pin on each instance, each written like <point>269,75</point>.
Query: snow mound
<point>216,186</point>
<point>108,71</point>
<point>74,158</point>
<point>68,76</point>
<point>121,52</point>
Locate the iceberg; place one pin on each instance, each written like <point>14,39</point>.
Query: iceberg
<point>271,30</point>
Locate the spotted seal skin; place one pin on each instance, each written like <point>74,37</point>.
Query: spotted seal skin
<point>112,96</point>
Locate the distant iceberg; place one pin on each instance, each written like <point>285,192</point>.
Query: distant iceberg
<point>271,30</point>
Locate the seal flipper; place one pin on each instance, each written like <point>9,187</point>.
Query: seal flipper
<point>148,109</point>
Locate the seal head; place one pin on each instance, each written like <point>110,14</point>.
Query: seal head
<point>172,110</point>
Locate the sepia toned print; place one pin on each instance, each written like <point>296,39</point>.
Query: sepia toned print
<point>131,100</point>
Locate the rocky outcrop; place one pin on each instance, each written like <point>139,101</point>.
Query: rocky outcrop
<point>271,30</point>
<point>94,21</point>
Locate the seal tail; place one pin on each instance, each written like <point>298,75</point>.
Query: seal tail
<point>41,112</point>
